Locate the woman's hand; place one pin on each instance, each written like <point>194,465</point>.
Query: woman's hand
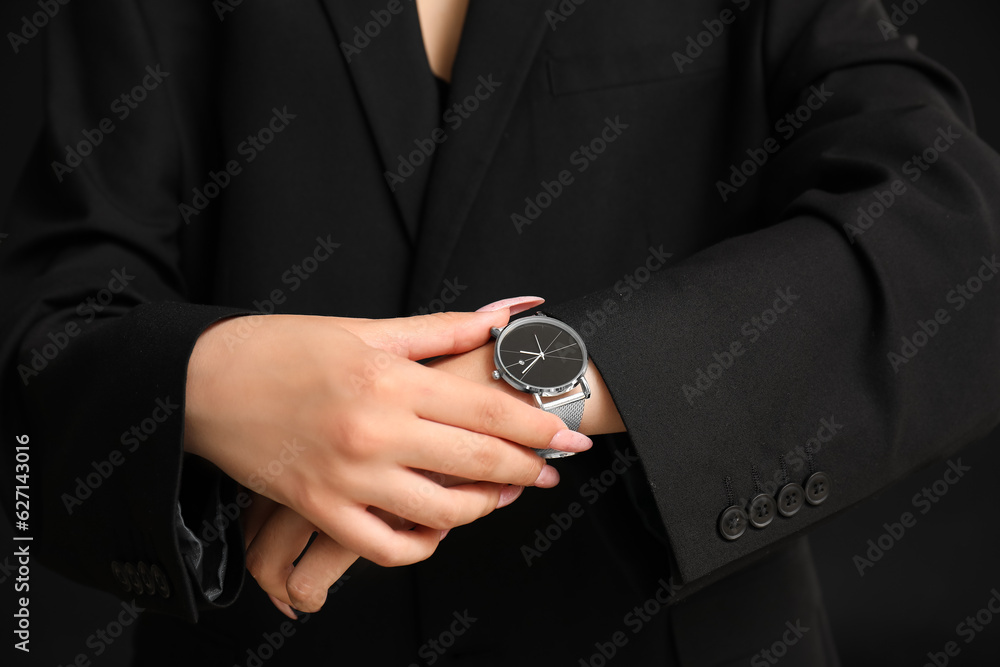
<point>275,536</point>
<point>306,412</point>
<point>271,552</point>
<point>599,416</point>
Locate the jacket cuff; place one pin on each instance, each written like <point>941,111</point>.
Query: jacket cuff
<point>110,410</point>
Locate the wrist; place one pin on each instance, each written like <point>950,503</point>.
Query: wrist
<point>600,415</point>
<point>202,372</point>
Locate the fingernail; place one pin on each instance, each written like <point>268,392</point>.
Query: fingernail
<point>509,494</point>
<point>570,441</point>
<point>444,533</point>
<point>517,304</point>
<point>283,608</point>
<point>548,478</point>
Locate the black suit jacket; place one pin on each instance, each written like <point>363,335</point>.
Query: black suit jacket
<point>751,211</point>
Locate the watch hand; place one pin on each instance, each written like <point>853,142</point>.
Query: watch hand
<point>560,348</point>
<point>550,344</point>
<point>530,365</point>
<point>540,350</point>
<point>534,354</point>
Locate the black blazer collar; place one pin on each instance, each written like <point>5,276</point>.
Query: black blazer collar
<point>499,43</point>
<point>390,72</point>
<point>387,63</point>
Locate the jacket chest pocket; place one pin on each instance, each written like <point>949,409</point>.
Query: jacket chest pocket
<point>653,64</point>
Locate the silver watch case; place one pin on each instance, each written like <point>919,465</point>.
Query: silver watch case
<point>537,391</point>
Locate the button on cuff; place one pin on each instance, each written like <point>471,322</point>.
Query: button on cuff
<point>733,522</point>
<point>790,499</point>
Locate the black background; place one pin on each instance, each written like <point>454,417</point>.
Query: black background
<point>908,603</point>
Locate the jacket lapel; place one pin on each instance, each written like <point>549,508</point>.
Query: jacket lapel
<point>384,53</point>
<point>499,42</point>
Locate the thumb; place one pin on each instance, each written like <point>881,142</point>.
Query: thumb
<point>441,334</point>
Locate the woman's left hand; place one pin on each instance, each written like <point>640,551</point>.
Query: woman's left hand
<point>277,535</point>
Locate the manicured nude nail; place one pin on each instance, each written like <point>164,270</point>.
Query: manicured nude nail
<point>517,304</point>
<point>444,533</point>
<point>509,494</point>
<point>548,478</point>
<point>570,441</point>
<point>283,608</point>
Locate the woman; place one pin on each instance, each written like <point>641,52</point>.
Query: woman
<point>681,181</point>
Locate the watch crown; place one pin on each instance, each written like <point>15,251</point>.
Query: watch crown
<point>496,375</point>
<point>495,332</point>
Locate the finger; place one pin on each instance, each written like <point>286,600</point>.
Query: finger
<point>450,451</point>
<point>393,521</point>
<point>412,496</point>
<point>254,516</point>
<point>435,335</point>
<point>457,401</point>
<point>283,608</point>
<point>278,543</point>
<point>322,565</point>
<point>370,537</point>
<point>515,305</point>
<point>444,479</point>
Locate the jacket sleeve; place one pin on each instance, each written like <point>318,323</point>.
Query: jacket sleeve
<point>100,318</point>
<point>855,331</point>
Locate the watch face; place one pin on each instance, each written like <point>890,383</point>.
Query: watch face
<point>540,355</point>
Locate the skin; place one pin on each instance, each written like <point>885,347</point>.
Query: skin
<point>389,461</point>
<point>441,25</point>
<point>394,454</point>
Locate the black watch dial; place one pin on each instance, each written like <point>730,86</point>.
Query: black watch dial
<point>540,353</point>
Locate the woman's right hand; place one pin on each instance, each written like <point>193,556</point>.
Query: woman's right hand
<point>275,537</point>
<point>333,416</point>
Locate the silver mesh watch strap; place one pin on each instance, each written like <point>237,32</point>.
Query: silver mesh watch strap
<point>572,414</point>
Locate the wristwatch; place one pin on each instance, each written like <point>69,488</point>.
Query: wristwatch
<point>544,357</point>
